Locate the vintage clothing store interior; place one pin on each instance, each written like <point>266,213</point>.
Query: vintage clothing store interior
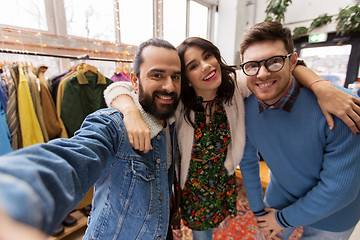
<point>57,58</point>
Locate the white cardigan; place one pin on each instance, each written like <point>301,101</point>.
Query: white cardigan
<point>235,113</point>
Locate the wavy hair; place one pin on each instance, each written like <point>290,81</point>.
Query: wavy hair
<point>227,87</point>
<point>265,31</point>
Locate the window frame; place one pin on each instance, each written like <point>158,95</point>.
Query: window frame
<point>56,19</point>
<point>335,40</point>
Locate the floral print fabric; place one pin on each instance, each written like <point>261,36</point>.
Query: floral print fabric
<point>209,194</point>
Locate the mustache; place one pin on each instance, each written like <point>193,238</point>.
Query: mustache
<point>162,92</point>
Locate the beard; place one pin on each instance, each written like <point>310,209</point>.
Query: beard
<point>162,112</point>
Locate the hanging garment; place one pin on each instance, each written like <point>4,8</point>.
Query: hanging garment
<point>59,97</point>
<point>51,120</point>
<point>54,84</point>
<point>5,137</point>
<point>83,94</point>
<point>12,117</point>
<point>29,124</point>
<point>35,93</point>
<point>4,84</point>
<point>119,77</point>
<point>14,70</point>
<point>2,99</point>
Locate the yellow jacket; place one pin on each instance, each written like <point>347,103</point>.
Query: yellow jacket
<point>30,128</point>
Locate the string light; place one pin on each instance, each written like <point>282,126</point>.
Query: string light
<point>43,37</point>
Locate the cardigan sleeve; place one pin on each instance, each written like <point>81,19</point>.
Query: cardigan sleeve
<point>241,82</point>
<point>116,89</point>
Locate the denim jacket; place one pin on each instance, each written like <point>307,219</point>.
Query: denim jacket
<point>40,184</point>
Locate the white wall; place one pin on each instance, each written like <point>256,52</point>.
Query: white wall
<point>237,16</point>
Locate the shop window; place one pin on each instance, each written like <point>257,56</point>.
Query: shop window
<point>198,20</point>
<point>330,62</point>
<point>32,14</point>
<point>136,21</point>
<point>176,28</point>
<point>91,19</point>
<point>355,86</point>
<point>174,21</point>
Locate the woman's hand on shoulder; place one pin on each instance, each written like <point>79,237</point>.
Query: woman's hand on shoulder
<point>334,101</point>
<point>138,132</point>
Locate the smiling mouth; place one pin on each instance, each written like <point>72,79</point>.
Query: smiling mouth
<point>263,85</point>
<point>165,98</point>
<point>210,75</point>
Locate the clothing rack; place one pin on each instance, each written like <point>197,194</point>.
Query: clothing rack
<point>81,57</point>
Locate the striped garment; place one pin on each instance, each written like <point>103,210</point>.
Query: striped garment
<point>285,102</point>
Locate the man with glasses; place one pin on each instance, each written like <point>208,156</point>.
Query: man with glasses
<point>315,171</point>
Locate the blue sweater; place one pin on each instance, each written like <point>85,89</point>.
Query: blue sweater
<point>315,172</point>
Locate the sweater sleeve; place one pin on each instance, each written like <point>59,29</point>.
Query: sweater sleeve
<point>249,167</point>
<point>116,89</point>
<point>40,184</point>
<point>339,180</point>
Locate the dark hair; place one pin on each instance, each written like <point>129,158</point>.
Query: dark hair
<point>138,59</point>
<point>225,90</point>
<point>267,31</point>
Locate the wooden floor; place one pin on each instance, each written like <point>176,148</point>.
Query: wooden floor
<point>72,230</point>
<point>264,174</point>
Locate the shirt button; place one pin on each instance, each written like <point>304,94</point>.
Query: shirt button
<point>158,137</point>
<point>158,160</point>
<point>161,197</point>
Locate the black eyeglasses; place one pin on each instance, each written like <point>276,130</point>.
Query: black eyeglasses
<point>272,64</point>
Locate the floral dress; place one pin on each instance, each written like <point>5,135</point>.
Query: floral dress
<point>209,195</point>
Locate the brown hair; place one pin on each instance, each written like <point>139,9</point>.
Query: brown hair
<point>227,87</point>
<point>267,31</point>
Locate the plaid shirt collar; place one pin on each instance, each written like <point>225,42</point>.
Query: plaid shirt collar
<point>285,102</point>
